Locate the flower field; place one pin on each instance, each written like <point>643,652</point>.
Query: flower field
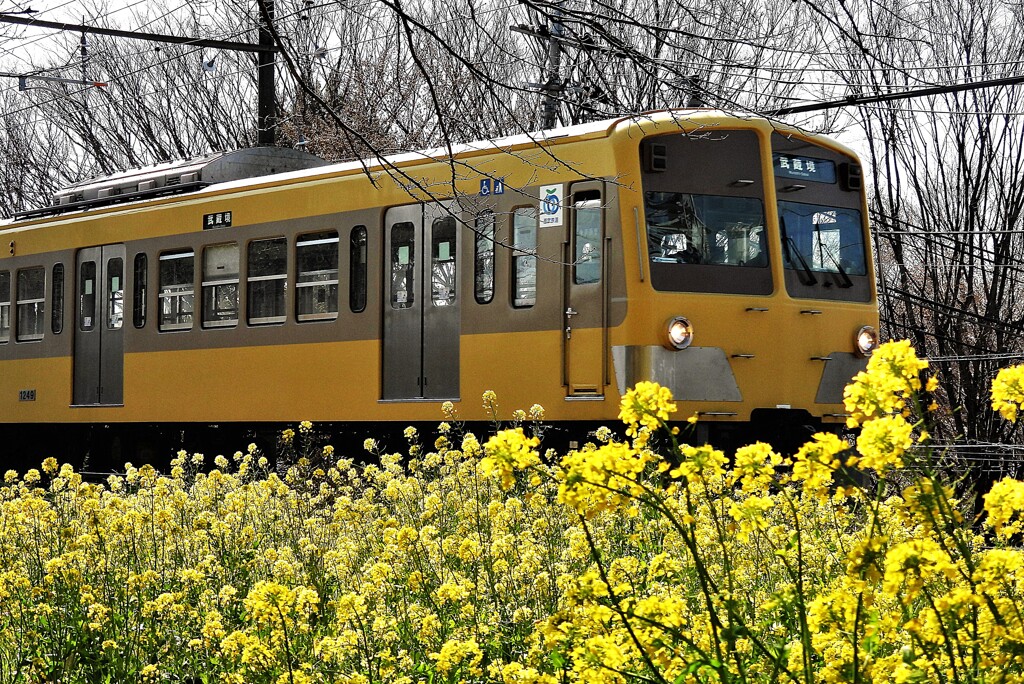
<point>481,559</point>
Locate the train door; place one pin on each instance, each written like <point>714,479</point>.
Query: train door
<point>99,317</point>
<point>420,355</point>
<point>585,292</point>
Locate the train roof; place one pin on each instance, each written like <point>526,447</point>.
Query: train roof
<point>243,168</point>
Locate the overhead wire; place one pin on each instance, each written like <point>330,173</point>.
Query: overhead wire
<point>222,75</point>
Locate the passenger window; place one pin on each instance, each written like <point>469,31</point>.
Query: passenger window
<point>586,265</point>
<point>177,290</point>
<point>87,296</point>
<point>316,286</point>
<point>31,304</point>
<point>524,256</point>
<point>139,300</point>
<point>442,262</point>
<point>57,300</point>
<point>115,293</point>
<point>220,286</point>
<point>403,262</point>
<point>357,270</point>
<point>5,307</point>
<point>483,258</point>
<point>267,280</point>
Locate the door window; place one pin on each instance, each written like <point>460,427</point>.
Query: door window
<point>586,265</point>
<point>403,262</point>
<point>87,296</point>
<point>115,293</point>
<point>442,262</point>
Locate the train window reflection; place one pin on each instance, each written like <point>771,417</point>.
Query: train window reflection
<point>5,306</point>
<point>403,262</point>
<point>87,296</point>
<point>316,287</point>
<point>483,287</point>
<point>587,238</point>
<point>139,300</point>
<point>357,270</point>
<point>524,256</point>
<point>705,229</point>
<point>267,280</point>
<point>442,262</point>
<point>177,290</point>
<point>57,300</point>
<point>822,239</point>
<point>31,304</point>
<point>220,286</point>
<point>115,293</point>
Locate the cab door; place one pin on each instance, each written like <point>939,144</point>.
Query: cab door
<point>420,348</point>
<point>585,310</point>
<point>99,319</point>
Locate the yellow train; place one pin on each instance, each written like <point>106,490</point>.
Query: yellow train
<point>723,256</point>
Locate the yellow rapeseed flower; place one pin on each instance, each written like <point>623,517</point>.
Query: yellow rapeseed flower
<point>1008,392</point>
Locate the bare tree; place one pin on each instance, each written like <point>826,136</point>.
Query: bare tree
<point>948,174</point>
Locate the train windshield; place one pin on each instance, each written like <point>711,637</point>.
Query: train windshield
<point>705,229</point>
<point>820,197</point>
<point>704,212</point>
<point>822,239</point>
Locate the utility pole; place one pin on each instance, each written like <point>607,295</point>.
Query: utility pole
<point>552,87</point>
<point>266,130</point>
<point>265,49</point>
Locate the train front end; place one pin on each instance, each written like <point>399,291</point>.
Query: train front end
<point>754,300</point>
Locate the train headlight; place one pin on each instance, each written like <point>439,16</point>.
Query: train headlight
<point>866,340</point>
<point>679,333</point>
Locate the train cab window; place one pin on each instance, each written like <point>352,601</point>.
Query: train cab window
<point>403,261</point>
<point>483,258</point>
<point>57,300</point>
<point>316,286</point>
<point>115,293</point>
<point>87,296</point>
<point>267,281</point>
<point>442,262</point>
<point>220,286</point>
<point>177,290</point>
<point>524,256</point>
<point>586,265</point>
<point>822,230</point>
<point>31,304</point>
<point>5,307</point>
<point>139,300</point>
<point>705,216</point>
<point>357,270</point>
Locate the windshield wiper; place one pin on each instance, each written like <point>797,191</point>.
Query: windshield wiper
<point>805,274</point>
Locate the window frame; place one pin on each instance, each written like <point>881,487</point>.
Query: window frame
<point>358,268</point>
<point>525,255</point>
<point>57,298</point>
<point>484,259</point>
<point>140,289</point>
<point>186,290</point>
<point>211,286</point>
<point>37,302</point>
<point>314,285</point>
<point>281,297</point>
<point>5,307</point>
